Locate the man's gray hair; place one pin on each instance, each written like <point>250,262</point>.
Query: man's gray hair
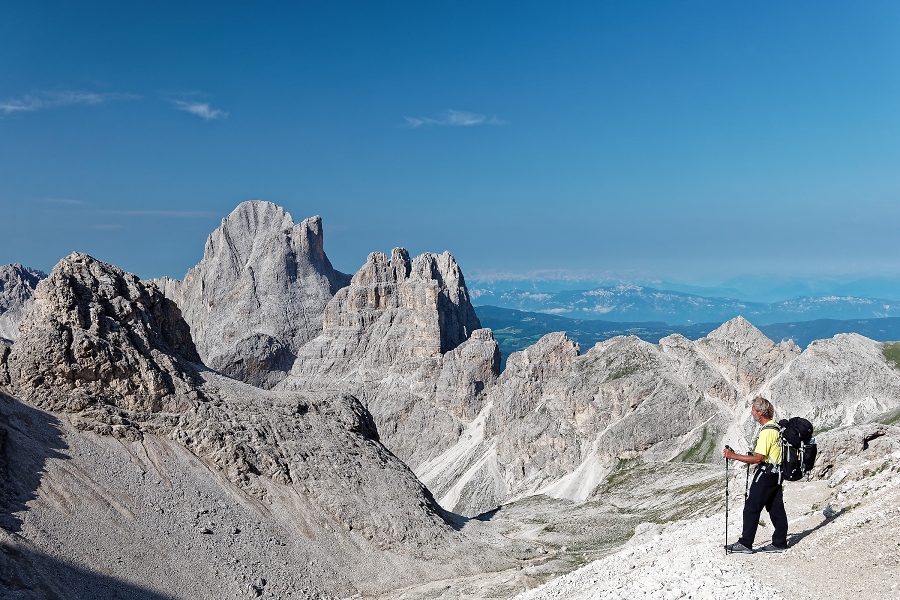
<point>764,407</point>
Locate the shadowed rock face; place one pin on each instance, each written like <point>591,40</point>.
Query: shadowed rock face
<point>404,338</point>
<point>4,369</point>
<point>17,285</point>
<point>259,292</point>
<point>98,335</point>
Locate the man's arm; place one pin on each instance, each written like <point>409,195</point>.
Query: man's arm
<point>750,459</point>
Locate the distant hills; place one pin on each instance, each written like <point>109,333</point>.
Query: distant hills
<point>635,303</point>
<point>515,330</point>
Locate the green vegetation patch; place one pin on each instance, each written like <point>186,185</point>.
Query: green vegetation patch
<point>625,370</point>
<point>889,418</point>
<point>701,452</point>
<point>891,351</point>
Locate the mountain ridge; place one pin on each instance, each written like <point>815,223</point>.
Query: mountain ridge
<point>514,329</point>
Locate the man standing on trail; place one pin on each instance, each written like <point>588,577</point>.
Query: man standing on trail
<point>766,490</point>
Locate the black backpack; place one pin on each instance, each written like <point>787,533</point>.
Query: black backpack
<point>798,448</point>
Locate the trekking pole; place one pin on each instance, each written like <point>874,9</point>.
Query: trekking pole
<point>726,502</point>
<point>747,483</point>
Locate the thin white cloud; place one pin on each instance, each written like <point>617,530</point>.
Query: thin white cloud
<point>45,100</point>
<point>464,119</point>
<point>182,214</point>
<point>454,118</point>
<point>201,109</point>
<point>414,122</point>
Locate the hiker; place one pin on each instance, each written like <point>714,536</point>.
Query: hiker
<point>766,490</point>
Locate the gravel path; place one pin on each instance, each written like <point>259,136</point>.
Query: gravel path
<point>854,553</point>
<point>678,562</point>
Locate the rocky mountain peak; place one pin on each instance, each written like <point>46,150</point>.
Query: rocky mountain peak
<point>96,334</point>
<point>739,331</point>
<point>427,293</point>
<point>258,293</point>
<point>247,222</point>
<point>17,285</point>
<point>383,270</point>
<point>843,380</point>
<point>744,355</point>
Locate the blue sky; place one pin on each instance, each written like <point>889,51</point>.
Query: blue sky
<point>690,141</point>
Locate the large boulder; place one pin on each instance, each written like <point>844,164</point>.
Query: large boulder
<point>258,294</point>
<point>404,338</point>
<point>17,285</point>
<point>98,335</point>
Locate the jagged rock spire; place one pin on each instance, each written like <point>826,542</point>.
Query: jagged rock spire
<point>403,336</point>
<point>258,293</point>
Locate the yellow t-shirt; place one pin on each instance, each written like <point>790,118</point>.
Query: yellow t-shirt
<point>767,444</point>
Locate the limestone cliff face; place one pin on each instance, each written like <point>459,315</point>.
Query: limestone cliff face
<point>557,423</point>
<point>258,293</point>
<point>691,365</point>
<point>98,335</point>
<point>404,338</point>
<point>114,356</point>
<point>17,285</point>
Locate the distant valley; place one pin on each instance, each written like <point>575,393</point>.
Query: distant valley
<point>635,303</point>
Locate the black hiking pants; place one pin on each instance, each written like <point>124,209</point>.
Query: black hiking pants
<point>765,492</point>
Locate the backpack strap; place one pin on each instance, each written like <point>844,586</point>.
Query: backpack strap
<point>776,468</point>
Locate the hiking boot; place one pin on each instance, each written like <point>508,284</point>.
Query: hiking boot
<point>772,548</point>
<point>738,548</point>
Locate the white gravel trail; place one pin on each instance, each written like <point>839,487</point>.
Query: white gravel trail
<point>685,560</point>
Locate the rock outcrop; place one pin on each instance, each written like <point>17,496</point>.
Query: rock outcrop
<point>17,285</point>
<point>258,294</point>
<point>404,338</point>
<point>97,335</point>
<point>844,449</point>
<point>841,381</point>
